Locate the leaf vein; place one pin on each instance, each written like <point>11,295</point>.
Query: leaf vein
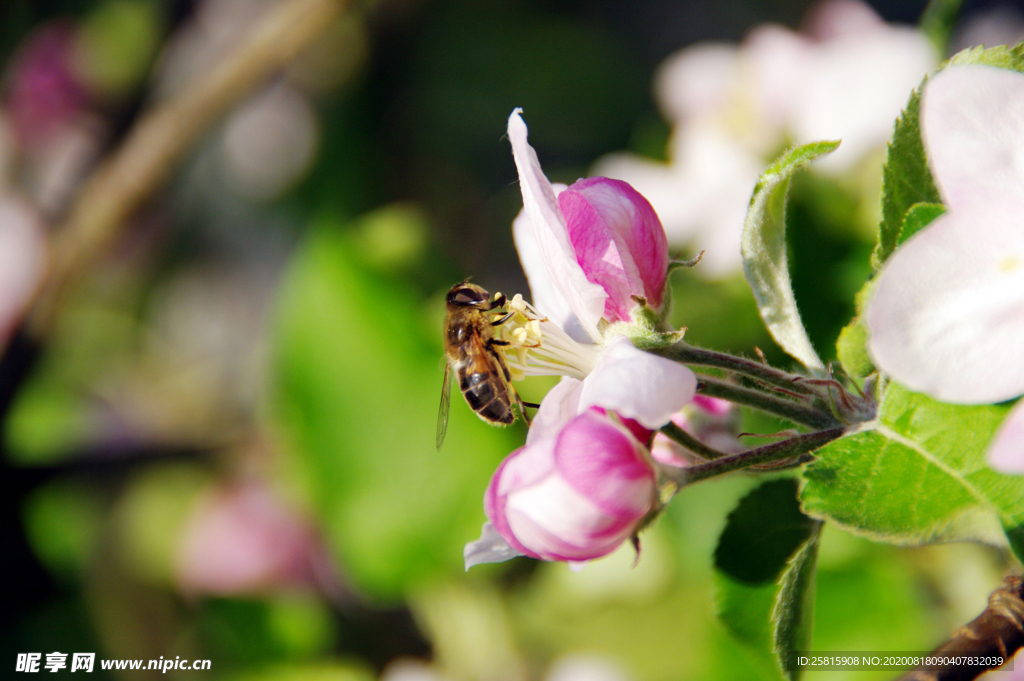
<point>938,463</point>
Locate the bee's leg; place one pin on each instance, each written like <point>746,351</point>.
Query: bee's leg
<point>531,405</point>
<point>499,301</point>
<point>504,319</point>
<point>522,409</point>
<point>495,341</point>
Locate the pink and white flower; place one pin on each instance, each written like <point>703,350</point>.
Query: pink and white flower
<point>587,251</point>
<point>573,493</point>
<point>947,318</point>
<point>585,479</point>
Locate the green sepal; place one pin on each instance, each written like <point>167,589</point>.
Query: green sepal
<point>852,349</point>
<point>646,328</point>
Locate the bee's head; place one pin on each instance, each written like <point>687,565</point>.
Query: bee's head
<point>467,295</point>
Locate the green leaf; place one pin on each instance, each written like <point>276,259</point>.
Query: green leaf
<point>1001,56</point>
<point>793,615</point>
<point>765,565</point>
<point>918,475</point>
<point>356,397</point>
<point>906,179</point>
<point>765,264</point>
<point>919,216</point>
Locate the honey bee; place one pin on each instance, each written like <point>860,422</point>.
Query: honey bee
<point>471,353</point>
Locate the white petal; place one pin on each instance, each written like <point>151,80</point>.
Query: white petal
<point>1006,454</point>
<point>551,235</point>
<point>491,547</point>
<point>557,408</point>
<point>544,294</point>
<point>972,120</point>
<point>637,384</point>
<point>947,318</point>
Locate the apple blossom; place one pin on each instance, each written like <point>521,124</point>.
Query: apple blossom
<point>575,492</point>
<point>596,258</point>
<point>947,317</point>
<point>585,257</point>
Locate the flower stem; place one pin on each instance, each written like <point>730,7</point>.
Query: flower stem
<point>680,436</point>
<point>795,412</point>
<point>787,449</point>
<point>688,354</point>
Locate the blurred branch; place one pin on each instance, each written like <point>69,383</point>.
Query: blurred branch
<point>997,632</point>
<point>162,136</point>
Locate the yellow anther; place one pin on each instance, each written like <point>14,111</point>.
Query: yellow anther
<point>518,304</point>
<point>533,329</point>
<point>519,335</point>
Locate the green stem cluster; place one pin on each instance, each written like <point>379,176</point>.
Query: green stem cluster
<point>820,404</point>
<point>791,448</point>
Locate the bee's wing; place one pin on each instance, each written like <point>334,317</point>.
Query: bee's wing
<point>446,402</point>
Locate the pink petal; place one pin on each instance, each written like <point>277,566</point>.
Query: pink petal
<point>559,523</point>
<point>638,385</point>
<point>619,242</point>
<point>551,235</point>
<point>1006,454</point>
<point>527,466</point>
<point>972,120</point>
<point>604,462</point>
<point>947,318</point>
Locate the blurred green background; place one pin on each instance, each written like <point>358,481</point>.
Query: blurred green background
<point>224,448</point>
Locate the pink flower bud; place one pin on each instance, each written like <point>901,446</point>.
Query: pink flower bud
<point>575,496</point>
<point>713,421</point>
<point>619,242</point>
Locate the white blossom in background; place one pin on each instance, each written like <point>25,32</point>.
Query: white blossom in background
<point>947,317</point>
<point>846,76</point>
<point>269,143</point>
<point>586,667</point>
<point>999,25</point>
<point>23,260</point>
